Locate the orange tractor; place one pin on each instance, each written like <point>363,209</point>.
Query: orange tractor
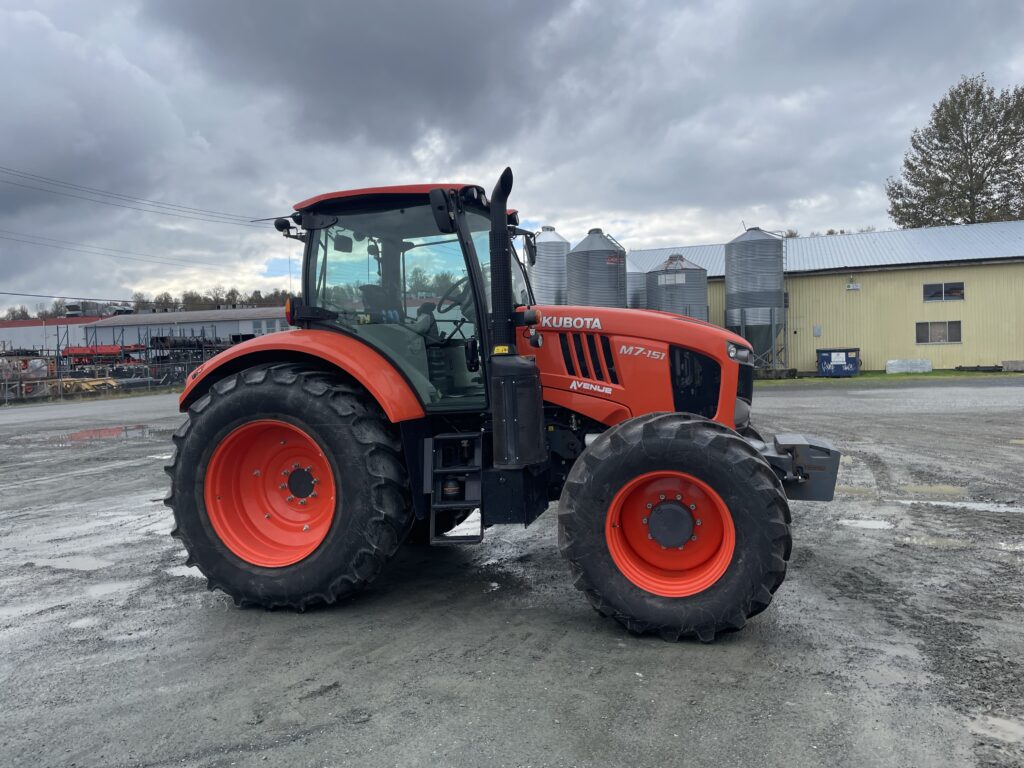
<point>422,385</point>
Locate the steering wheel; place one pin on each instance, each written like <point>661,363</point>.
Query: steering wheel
<point>458,287</point>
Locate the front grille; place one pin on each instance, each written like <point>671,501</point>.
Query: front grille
<point>745,385</point>
<point>589,356</point>
<point>696,381</point>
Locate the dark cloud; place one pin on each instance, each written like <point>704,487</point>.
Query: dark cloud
<point>666,121</point>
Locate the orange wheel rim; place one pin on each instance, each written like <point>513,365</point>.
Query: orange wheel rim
<point>670,534</point>
<point>270,493</point>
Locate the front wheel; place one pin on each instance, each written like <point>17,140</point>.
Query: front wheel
<point>674,524</point>
<point>288,487</point>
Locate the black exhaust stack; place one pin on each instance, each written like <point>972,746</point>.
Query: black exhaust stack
<point>517,406</point>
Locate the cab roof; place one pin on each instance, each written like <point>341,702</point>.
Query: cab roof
<point>407,189</point>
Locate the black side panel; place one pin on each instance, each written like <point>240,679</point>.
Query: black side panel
<point>696,382</point>
<point>745,386</point>
<point>517,412</point>
<point>514,497</point>
<point>581,356</point>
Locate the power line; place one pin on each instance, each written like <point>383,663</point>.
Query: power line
<point>135,208</point>
<point>100,247</point>
<point>155,260</point>
<point>149,302</point>
<point>130,198</point>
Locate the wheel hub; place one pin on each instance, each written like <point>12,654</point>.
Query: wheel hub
<point>301,483</point>
<point>671,524</point>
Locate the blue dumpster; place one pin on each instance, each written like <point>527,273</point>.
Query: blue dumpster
<point>838,362</point>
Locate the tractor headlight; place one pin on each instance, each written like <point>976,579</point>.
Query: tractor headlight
<point>738,353</point>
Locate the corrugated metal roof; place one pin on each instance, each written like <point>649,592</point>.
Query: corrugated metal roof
<point>49,322</point>
<point>898,247</point>
<point>200,316</point>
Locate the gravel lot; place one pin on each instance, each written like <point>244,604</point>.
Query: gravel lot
<point>896,640</point>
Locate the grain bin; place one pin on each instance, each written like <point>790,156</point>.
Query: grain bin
<point>754,292</point>
<point>678,286</point>
<point>547,276</point>
<point>636,286</point>
<point>596,272</point>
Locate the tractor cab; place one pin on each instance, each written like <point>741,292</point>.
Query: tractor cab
<point>380,265</point>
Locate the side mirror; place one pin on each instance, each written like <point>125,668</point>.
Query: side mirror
<point>343,243</point>
<point>441,206</point>
<point>530,246</point>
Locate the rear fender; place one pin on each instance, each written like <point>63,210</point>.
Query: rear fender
<point>330,349</point>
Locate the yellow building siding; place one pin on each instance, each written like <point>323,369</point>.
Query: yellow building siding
<point>880,317</point>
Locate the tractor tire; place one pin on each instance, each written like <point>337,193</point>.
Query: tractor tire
<point>675,525</point>
<point>288,487</point>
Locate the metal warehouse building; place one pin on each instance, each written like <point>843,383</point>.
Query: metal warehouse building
<point>953,295</point>
<point>224,324</point>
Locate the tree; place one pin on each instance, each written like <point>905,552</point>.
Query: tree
<point>56,309</point>
<point>194,300</point>
<point>791,233</point>
<point>164,302</point>
<point>140,301</point>
<point>17,313</point>
<point>967,165</point>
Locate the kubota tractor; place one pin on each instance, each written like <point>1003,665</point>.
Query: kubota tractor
<point>422,385</point>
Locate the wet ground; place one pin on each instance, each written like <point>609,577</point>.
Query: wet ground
<point>896,640</point>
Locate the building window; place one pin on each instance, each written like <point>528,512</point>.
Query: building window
<point>257,327</point>
<point>943,291</point>
<point>942,332</point>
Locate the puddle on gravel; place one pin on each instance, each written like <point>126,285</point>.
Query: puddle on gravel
<point>184,570</point>
<point>873,525</point>
<point>25,609</point>
<point>936,490</point>
<point>975,506</point>
<point>78,563</point>
<point>937,542</point>
<point>108,588</point>
<point>1000,728</point>
<point>103,435</point>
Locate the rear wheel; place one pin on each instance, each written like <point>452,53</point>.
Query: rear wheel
<point>287,487</point>
<point>676,525</point>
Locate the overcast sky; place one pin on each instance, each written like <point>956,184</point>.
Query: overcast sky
<point>664,122</point>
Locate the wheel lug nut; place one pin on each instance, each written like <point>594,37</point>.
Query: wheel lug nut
<point>282,486</point>
<point>692,538</point>
<point>679,497</point>
<point>315,481</point>
<point>693,507</point>
<point>700,522</point>
<point>295,466</point>
<point>255,473</point>
<point>649,536</point>
<point>283,442</point>
<point>649,505</point>
<point>305,527</point>
<point>661,496</point>
<point>644,521</point>
<point>681,547</point>
<point>309,468</point>
<point>285,473</point>
<point>663,546</point>
<point>302,501</point>
<point>266,515</point>
<point>290,498</point>
<point>312,495</point>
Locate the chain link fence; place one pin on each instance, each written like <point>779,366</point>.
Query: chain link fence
<point>39,379</point>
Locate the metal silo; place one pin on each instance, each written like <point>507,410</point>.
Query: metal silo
<point>678,286</point>
<point>547,276</point>
<point>596,272</point>
<point>636,286</point>
<point>755,293</point>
